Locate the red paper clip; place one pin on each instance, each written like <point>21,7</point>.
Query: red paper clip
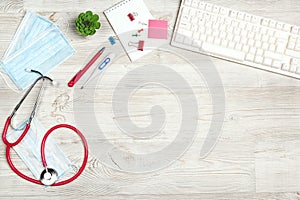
<point>140,30</point>
<point>131,17</point>
<point>139,45</point>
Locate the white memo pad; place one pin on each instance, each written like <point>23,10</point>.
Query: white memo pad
<point>124,28</point>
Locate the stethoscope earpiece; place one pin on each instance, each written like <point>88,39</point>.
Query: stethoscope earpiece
<point>28,70</point>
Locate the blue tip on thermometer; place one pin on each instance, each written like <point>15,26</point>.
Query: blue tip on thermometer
<point>103,64</point>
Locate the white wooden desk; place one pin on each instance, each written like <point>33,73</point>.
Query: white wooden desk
<point>257,155</point>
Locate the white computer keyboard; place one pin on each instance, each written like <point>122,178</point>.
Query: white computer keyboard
<point>238,36</point>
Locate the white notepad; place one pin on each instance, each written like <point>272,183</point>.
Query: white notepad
<point>130,32</point>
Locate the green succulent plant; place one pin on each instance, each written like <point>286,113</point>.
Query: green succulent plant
<point>87,23</point>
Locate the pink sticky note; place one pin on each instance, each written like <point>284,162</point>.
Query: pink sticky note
<point>158,29</point>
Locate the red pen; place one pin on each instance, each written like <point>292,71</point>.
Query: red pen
<point>80,73</point>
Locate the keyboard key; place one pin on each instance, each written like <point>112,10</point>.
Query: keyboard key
<point>217,41</point>
<point>283,35</point>
<point>273,24</point>
<point>185,33</point>
<point>229,53</point>
<point>293,69</point>
<point>203,37</point>
<point>272,55</point>
<point>223,35</point>
<point>223,27</point>
<point>237,31</point>
<point>221,20</point>
<point>224,11</point>
<point>193,12</point>
<point>233,14</point>
<point>216,9</point>
<point>258,59</point>
<point>295,62</point>
<point>246,48</point>
<point>184,26</point>
<point>295,29</point>
<point>208,7</point>
<point>196,43</point>
<point>265,46</point>
<point>265,22</point>
<point>237,38</point>
<point>297,47</point>
<point>259,52</point>
<point>252,50</point>
<point>224,43</point>
<point>230,30</point>
<point>287,27</point>
<point>244,33</point>
<point>250,57</point>
<point>188,40</point>
<point>272,47</point>
<point>267,61</point>
<point>202,5</point>
<point>251,35</point>
<point>295,65</point>
<point>242,25</point>
<point>270,32</point>
<point>238,47</point>
<point>291,45</point>
<point>276,64</point>
<point>256,20</point>
<point>255,29</point>
<point>272,40</point>
<point>293,40</point>
<point>179,38</point>
<point>241,16</point>
<point>249,27</point>
<point>258,44</point>
<point>244,40</point>
<point>231,45</point>
<point>280,49</point>
<point>210,39</point>
<point>263,31</point>
<point>195,3</point>
<point>235,23</point>
<point>258,36</point>
<point>248,17</point>
<point>265,38</point>
<point>292,53</point>
<point>208,31</point>
<point>279,26</point>
<point>215,33</point>
<point>285,67</point>
<point>230,36</point>
<point>187,2</point>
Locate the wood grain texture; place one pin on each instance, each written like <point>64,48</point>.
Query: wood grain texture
<point>257,155</point>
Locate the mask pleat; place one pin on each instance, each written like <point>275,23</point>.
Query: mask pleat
<point>29,150</point>
<point>47,48</point>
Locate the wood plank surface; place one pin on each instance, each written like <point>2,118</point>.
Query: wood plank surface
<point>257,155</point>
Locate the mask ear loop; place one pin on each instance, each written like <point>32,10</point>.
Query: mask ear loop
<point>8,85</point>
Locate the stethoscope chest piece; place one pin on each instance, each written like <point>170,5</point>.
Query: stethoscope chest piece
<point>48,176</point>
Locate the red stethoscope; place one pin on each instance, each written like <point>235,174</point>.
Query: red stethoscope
<point>48,176</point>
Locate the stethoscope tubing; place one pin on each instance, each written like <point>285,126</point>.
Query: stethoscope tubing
<point>43,144</point>
<point>9,145</point>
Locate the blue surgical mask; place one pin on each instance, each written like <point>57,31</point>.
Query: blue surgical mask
<point>39,45</point>
<point>31,27</point>
<point>29,150</point>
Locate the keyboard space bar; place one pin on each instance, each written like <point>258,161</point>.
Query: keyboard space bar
<point>224,52</point>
